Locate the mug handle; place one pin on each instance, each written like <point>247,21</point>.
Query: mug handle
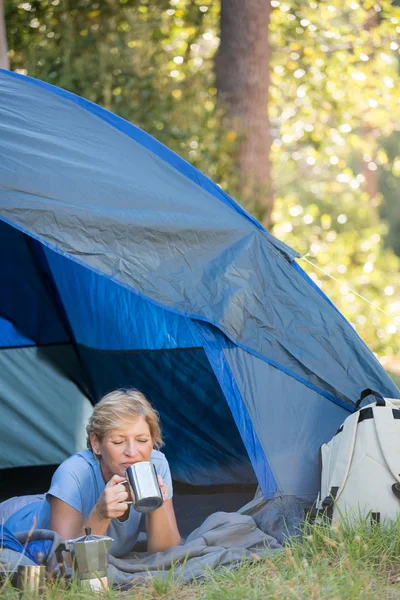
<point>129,490</point>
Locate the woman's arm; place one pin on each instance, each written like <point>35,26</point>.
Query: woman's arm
<point>68,522</point>
<point>65,520</point>
<point>162,529</point>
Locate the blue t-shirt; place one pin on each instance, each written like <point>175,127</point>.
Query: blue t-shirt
<point>79,482</point>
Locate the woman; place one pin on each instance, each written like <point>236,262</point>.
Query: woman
<point>87,489</point>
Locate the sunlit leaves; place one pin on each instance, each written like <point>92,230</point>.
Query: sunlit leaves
<point>334,72</point>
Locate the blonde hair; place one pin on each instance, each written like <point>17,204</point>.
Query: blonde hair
<point>119,407</point>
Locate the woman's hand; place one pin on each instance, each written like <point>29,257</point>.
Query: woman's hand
<point>162,530</point>
<point>113,501</point>
<point>164,488</point>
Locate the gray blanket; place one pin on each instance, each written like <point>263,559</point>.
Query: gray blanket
<point>223,540</point>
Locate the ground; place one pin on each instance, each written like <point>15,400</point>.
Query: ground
<point>350,562</point>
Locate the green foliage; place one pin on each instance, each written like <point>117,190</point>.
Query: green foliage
<point>334,101</point>
<point>334,110</point>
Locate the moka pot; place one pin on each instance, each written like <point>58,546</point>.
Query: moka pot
<point>89,555</point>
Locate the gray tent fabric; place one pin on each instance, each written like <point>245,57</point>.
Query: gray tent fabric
<point>304,419</point>
<point>223,540</point>
<point>48,398</point>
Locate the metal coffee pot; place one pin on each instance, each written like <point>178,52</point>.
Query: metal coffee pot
<point>89,555</point>
<point>143,480</point>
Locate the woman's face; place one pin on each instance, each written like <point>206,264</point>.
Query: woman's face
<point>122,447</point>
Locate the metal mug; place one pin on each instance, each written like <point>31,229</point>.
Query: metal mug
<point>31,579</point>
<point>142,477</point>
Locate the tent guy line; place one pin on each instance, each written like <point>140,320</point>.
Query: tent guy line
<point>374,306</point>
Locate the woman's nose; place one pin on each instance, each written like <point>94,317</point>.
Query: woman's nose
<point>131,448</point>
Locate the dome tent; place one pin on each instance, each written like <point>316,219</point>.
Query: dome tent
<point>124,266</point>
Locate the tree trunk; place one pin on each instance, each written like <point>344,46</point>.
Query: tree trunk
<point>242,69</point>
<point>4,62</point>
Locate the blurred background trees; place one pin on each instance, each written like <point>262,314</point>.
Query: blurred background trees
<point>298,121</point>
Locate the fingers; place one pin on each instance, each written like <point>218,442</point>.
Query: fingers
<point>115,480</point>
<point>164,488</point>
<point>120,508</point>
<point>117,510</point>
<point>121,496</point>
<point>113,501</point>
<point>116,504</point>
<point>116,494</point>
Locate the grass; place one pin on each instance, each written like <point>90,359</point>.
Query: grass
<point>347,562</point>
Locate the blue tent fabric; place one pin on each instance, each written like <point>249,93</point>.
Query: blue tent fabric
<point>154,278</point>
<point>86,296</point>
<point>40,325</point>
<point>214,345</point>
<point>201,442</point>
